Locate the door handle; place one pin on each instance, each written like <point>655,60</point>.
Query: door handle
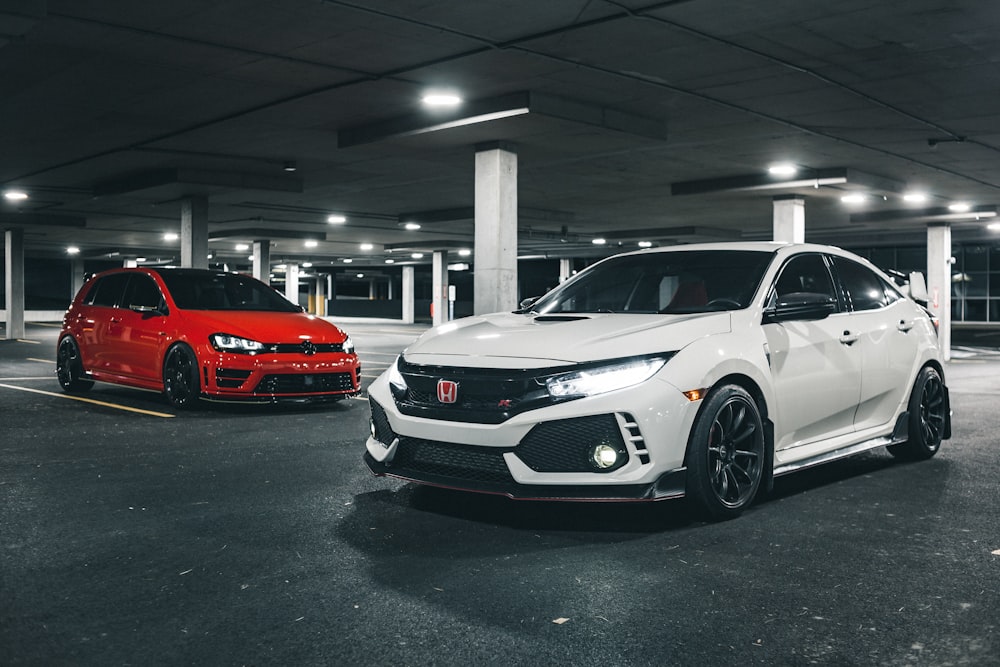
<point>904,326</point>
<point>847,338</point>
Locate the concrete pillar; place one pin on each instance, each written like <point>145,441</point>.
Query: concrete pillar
<point>321,295</point>
<point>14,282</point>
<point>495,282</point>
<point>565,269</point>
<point>292,282</point>
<point>194,232</point>
<point>79,276</point>
<point>939,270</point>
<point>439,286</point>
<point>789,219</point>
<point>262,260</point>
<point>408,294</point>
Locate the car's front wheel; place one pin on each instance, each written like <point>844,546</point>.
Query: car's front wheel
<point>69,368</point>
<point>180,377</point>
<point>725,458</point>
<point>927,409</point>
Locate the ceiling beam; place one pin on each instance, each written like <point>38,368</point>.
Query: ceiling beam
<point>503,106</point>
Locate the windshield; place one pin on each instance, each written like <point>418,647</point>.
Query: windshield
<point>691,281</point>
<point>205,290</point>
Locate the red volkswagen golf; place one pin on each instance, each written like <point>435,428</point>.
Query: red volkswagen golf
<point>194,333</point>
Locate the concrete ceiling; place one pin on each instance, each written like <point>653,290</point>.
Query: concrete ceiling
<point>644,116</point>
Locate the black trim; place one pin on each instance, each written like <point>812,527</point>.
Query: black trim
<point>669,485</point>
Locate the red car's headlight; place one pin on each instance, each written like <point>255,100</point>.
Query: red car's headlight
<point>228,343</point>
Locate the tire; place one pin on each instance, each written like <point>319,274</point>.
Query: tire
<point>927,414</point>
<point>725,457</point>
<point>181,385</point>
<point>69,368</point>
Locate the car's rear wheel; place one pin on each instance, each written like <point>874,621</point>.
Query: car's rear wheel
<point>69,368</point>
<point>725,458</point>
<point>927,408</point>
<point>181,386</point>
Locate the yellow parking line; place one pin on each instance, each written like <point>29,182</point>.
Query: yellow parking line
<point>44,361</point>
<point>25,340</point>
<point>89,400</point>
<point>34,377</point>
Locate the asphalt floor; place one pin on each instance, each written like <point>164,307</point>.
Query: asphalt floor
<point>133,534</point>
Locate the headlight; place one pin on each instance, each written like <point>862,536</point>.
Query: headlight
<point>395,377</point>
<point>349,345</point>
<point>227,343</point>
<point>603,379</point>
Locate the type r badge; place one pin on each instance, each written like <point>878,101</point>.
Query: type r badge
<point>447,391</point>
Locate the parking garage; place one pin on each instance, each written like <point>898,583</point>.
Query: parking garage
<point>304,144</point>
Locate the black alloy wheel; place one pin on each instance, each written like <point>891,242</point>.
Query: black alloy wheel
<point>69,368</point>
<point>927,408</point>
<point>180,377</point>
<point>725,459</point>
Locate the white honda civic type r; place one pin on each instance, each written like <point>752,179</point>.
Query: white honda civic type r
<point>702,371</point>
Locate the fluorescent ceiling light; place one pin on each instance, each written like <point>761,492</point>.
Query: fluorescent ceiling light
<point>994,226</point>
<point>72,250</point>
<point>360,275</point>
<point>311,244</point>
<point>390,261</point>
<point>959,207</point>
<point>241,247</point>
<point>15,195</point>
<point>366,246</point>
<point>347,260</point>
<point>336,219</point>
<point>464,252</point>
<point>307,265</point>
<point>915,197</point>
<point>441,99</point>
<point>645,244</point>
<point>412,226</point>
<point>170,236</point>
<point>783,169</point>
<point>598,241</point>
<point>417,255</point>
<point>854,199</point>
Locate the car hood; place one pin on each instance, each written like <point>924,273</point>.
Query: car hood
<point>508,340</point>
<point>267,327</point>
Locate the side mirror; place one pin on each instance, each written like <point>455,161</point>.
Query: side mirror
<point>918,287</point>
<point>800,306</point>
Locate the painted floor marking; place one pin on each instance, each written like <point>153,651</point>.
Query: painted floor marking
<point>44,361</point>
<point>89,400</point>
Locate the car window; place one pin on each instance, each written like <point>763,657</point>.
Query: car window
<point>107,291</point>
<point>865,289</point>
<point>662,282</point>
<point>198,290</point>
<point>805,273</point>
<point>141,292</point>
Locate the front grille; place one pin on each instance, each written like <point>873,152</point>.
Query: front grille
<point>565,445</point>
<point>487,396</point>
<point>316,348</point>
<point>305,383</point>
<point>457,462</point>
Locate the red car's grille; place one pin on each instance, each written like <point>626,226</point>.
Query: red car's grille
<point>306,383</point>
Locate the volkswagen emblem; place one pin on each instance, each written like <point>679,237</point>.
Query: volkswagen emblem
<point>447,391</point>
<point>308,348</point>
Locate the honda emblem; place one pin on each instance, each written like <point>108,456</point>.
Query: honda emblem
<point>447,391</point>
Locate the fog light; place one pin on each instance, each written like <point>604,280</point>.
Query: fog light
<point>604,456</point>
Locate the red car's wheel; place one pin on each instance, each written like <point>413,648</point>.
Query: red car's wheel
<point>181,386</point>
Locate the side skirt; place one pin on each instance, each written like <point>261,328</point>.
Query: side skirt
<point>899,434</point>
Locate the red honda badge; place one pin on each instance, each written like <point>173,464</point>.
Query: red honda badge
<point>447,391</point>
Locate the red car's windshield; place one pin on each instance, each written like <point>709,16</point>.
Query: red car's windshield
<point>199,290</point>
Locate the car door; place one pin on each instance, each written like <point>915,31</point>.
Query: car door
<point>139,332</point>
<point>884,321</point>
<point>815,364</point>
<point>102,318</point>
